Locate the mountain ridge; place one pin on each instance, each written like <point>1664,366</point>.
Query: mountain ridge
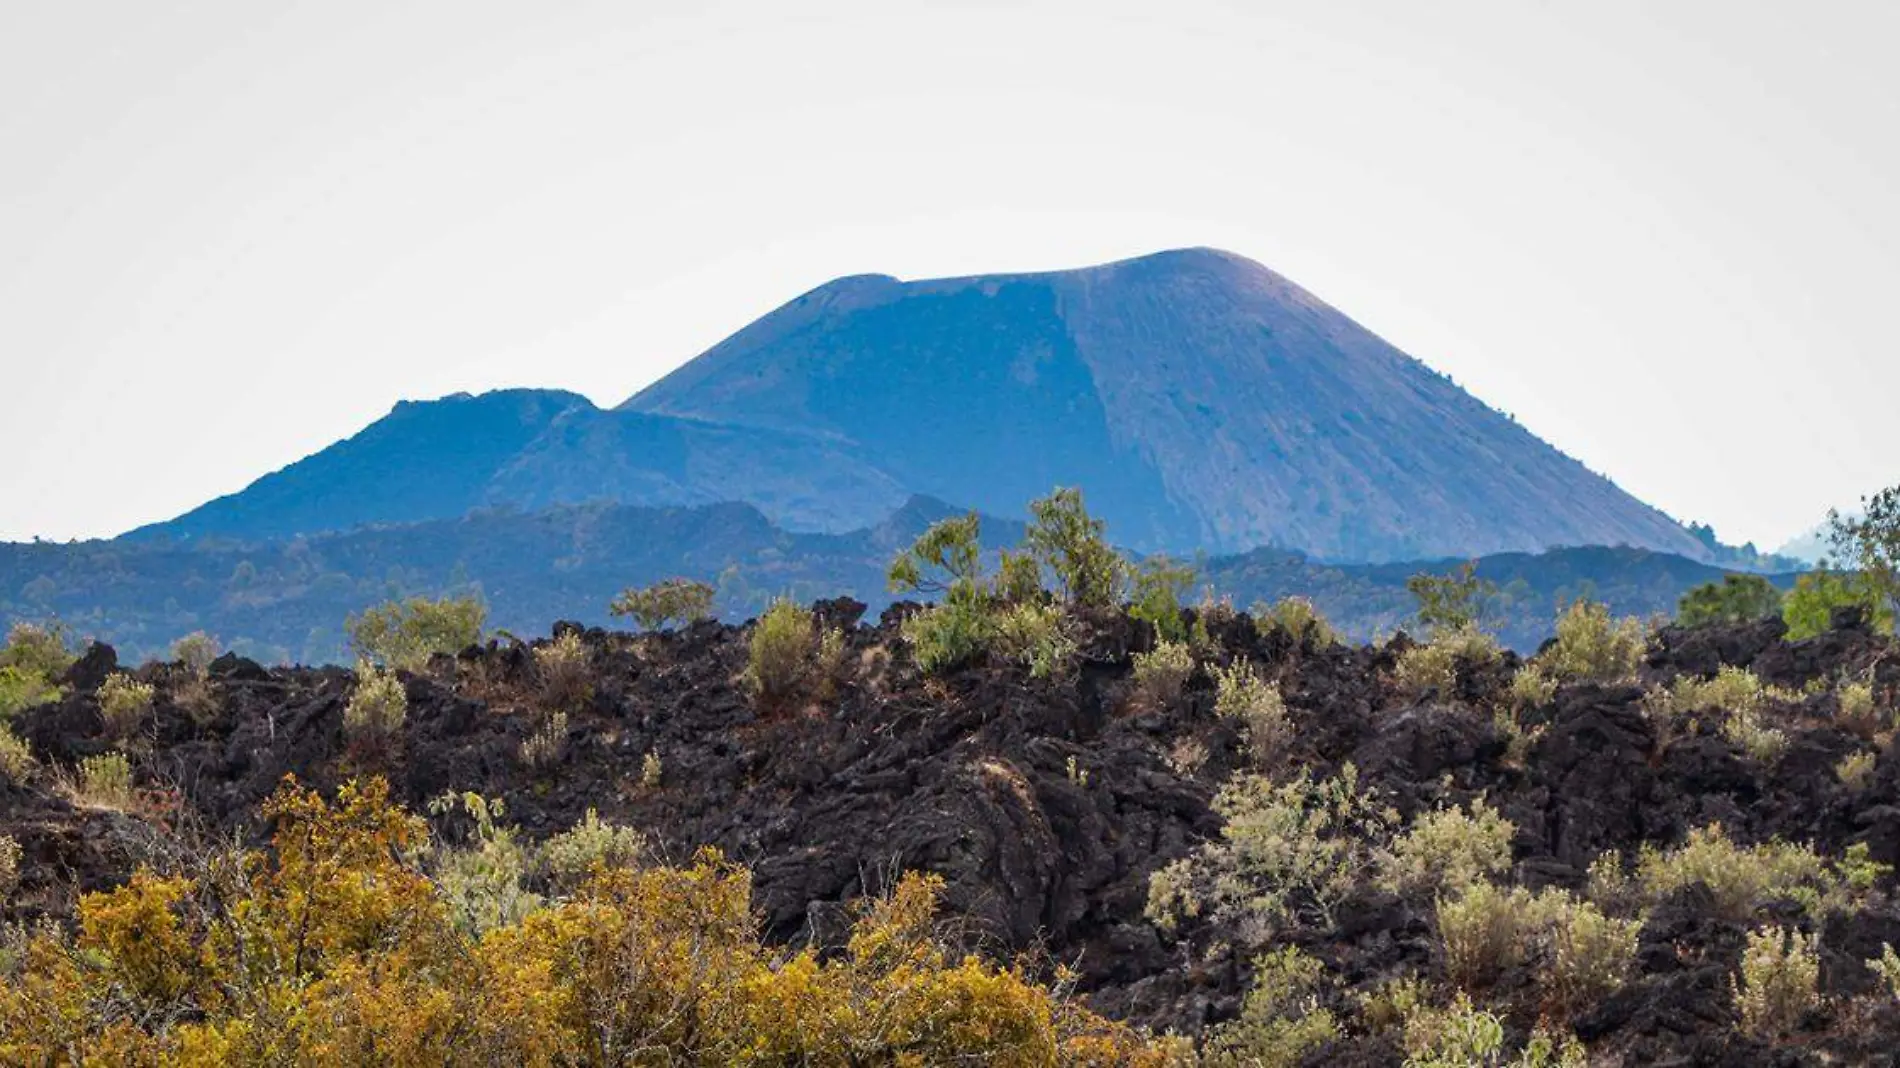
<point>1201,400</point>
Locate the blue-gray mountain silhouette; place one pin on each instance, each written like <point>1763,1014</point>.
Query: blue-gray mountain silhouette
<point>1202,402</point>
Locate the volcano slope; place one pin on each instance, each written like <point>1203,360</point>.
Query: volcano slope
<point>1048,805</point>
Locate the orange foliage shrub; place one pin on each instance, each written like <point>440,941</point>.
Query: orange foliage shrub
<point>335,949</point>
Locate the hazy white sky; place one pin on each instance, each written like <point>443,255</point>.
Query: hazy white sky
<point>1665,235</point>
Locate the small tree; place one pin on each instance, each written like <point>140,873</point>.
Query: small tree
<point>36,650</point>
<point>1160,583</point>
<point>1735,599</point>
<point>676,600</point>
<point>406,634</point>
<point>1871,545</point>
<point>1454,601</point>
<point>1064,538</point>
<point>946,559</point>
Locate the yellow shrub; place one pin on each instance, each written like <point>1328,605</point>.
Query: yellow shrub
<point>1593,647</point>
<point>1448,850</point>
<point>1435,664</point>
<point>123,702</point>
<point>1160,674</point>
<point>1780,971</point>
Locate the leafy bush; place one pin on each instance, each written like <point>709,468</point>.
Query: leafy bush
<point>1289,851</point>
<point>1435,664</point>
<point>1280,1020</point>
<point>1532,687</point>
<point>1483,930</point>
<point>21,690</point>
<point>123,702</point>
<point>1037,636</point>
<point>587,849</point>
<point>1298,619</point>
<point>1161,673</point>
<point>676,600</point>
<point>1590,955</point>
<point>406,634</point>
<point>1069,542</point>
<point>1741,879</point>
<point>1592,647</point>
<point>566,671</point>
<point>949,635</point>
<point>339,929</point>
<point>1887,968</point>
<point>1808,609</point>
<point>1781,969</point>
<point>1464,1036</point>
<point>36,650</point>
<point>1857,711</point>
<point>1855,769</point>
<point>778,658</point>
<point>105,781</point>
<point>1242,696</point>
<point>1448,850</point>
<point>483,880</point>
<point>1160,584</point>
<point>16,760</point>
<point>196,651</point>
<point>1735,599</point>
<point>651,770</point>
<point>542,748</point>
<point>378,706</point>
<point>9,867</point>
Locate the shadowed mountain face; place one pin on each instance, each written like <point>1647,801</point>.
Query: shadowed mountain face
<point>1202,401</point>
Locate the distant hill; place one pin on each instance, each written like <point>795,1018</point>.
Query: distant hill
<point>287,600</point>
<point>1202,401</point>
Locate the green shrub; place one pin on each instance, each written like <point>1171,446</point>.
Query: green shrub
<point>1280,1021</point>
<point>37,650</point>
<point>1735,599</point>
<point>406,634</point>
<point>105,781</point>
<point>378,706</point>
<point>1448,850</point>
<point>1887,968</point>
<point>16,760</point>
<point>1160,584</point>
<point>9,868</point>
<point>21,690</point>
<point>1298,619</point>
<point>1292,850</point>
<point>1464,1036</point>
<point>1069,542</point>
<point>1435,664</point>
<point>676,600</point>
<point>651,770</point>
<point>1242,696</point>
<point>484,880</point>
<point>1742,879</point>
<point>1590,955</point>
<point>1855,769</point>
<point>565,668</point>
<point>1858,712</point>
<point>778,658</point>
<point>1532,687</point>
<point>1592,647</point>
<point>123,702</point>
<point>1037,636</point>
<point>196,651</point>
<point>543,747</point>
<point>1808,609</point>
<point>589,847</point>
<point>949,635</point>
<point>1161,673</point>
<point>1484,930</point>
<point>1781,969</point>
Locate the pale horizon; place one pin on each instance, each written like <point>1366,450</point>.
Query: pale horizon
<point>1663,241</point>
